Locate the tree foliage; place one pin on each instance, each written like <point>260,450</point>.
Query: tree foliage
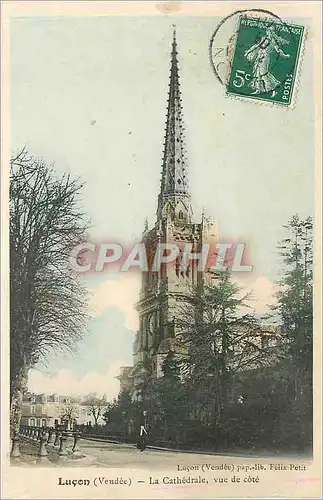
<point>48,300</point>
<point>222,340</point>
<point>295,296</point>
<point>232,379</point>
<point>122,409</point>
<point>69,412</point>
<point>170,394</point>
<point>95,406</point>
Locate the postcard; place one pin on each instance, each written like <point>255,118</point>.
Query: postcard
<point>161,250</point>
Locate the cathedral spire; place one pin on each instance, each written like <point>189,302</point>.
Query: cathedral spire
<point>174,197</point>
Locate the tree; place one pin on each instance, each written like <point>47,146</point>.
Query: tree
<point>95,406</point>
<point>48,300</point>
<point>169,395</point>
<point>294,311</point>
<point>222,341</point>
<point>69,413</point>
<point>120,411</point>
<point>295,297</point>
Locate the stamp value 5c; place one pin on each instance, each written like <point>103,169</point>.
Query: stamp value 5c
<point>265,60</point>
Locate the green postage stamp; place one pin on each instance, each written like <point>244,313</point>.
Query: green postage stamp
<point>265,60</point>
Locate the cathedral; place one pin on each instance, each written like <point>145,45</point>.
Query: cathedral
<point>163,292</point>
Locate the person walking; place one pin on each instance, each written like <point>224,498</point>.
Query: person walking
<point>142,438</point>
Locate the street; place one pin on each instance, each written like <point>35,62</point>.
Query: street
<point>128,456</point>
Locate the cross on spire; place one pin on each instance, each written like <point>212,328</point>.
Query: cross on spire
<point>174,196</point>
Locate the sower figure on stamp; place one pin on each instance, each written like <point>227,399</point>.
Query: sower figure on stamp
<point>259,54</point>
<point>141,445</point>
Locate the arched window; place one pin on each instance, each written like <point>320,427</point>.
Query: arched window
<point>181,214</point>
<point>32,422</point>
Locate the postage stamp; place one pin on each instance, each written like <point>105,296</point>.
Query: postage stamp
<point>161,211</point>
<point>265,60</point>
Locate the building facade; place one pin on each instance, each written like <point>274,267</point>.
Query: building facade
<point>46,410</point>
<point>163,292</point>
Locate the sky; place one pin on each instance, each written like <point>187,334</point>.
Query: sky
<point>89,94</point>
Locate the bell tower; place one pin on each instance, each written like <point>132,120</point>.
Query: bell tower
<point>163,292</point>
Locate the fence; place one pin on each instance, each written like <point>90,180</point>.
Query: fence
<point>60,442</point>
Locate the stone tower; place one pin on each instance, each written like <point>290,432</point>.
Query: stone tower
<point>162,293</point>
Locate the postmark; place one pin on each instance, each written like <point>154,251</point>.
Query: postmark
<point>265,60</point>
<point>256,56</point>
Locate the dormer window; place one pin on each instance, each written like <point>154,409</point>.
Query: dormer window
<point>180,214</point>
